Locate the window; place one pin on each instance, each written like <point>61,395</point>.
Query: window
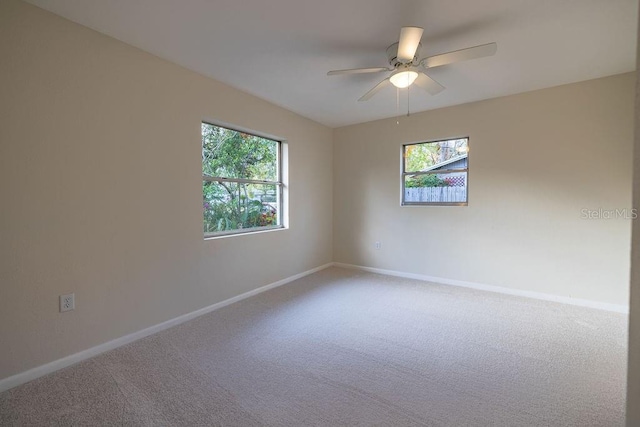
<point>241,181</point>
<point>435,173</point>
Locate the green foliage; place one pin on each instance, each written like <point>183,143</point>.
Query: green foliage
<point>230,154</point>
<point>425,181</point>
<point>419,157</point>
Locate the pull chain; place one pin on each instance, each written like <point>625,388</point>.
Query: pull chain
<point>397,106</point>
<point>408,100</point>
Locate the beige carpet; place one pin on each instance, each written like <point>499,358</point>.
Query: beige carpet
<point>345,348</point>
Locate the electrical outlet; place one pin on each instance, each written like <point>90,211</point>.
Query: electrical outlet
<point>67,302</point>
<point>378,245</point>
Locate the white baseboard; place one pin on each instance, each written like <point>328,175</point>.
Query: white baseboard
<point>31,374</point>
<point>618,308</point>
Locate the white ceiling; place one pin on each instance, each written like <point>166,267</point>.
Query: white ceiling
<point>281,50</point>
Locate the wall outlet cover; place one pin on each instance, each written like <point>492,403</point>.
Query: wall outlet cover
<point>67,302</point>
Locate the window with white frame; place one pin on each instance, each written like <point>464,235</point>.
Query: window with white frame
<point>241,181</point>
<point>435,173</point>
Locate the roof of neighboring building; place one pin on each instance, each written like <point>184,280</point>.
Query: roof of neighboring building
<point>446,162</point>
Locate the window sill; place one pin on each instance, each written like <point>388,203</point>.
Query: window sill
<point>233,233</point>
<point>435,204</point>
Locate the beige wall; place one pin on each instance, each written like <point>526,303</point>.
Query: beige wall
<point>536,160</point>
<point>633,383</point>
<point>100,183</point>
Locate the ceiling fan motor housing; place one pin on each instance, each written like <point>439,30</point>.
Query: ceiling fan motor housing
<point>392,55</point>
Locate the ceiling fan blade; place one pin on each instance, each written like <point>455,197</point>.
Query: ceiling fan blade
<point>408,44</point>
<point>357,71</point>
<point>428,84</point>
<point>367,96</point>
<point>488,49</point>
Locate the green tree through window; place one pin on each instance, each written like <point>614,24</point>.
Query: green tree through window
<point>241,188</point>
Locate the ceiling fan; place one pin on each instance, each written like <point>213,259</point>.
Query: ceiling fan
<point>407,69</point>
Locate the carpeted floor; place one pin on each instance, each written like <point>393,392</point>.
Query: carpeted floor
<point>346,348</point>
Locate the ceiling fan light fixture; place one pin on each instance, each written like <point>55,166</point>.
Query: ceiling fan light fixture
<point>408,68</point>
<point>403,78</point>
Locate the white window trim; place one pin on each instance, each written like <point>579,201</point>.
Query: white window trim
<point>404,174</point>
<point>280,184</point>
